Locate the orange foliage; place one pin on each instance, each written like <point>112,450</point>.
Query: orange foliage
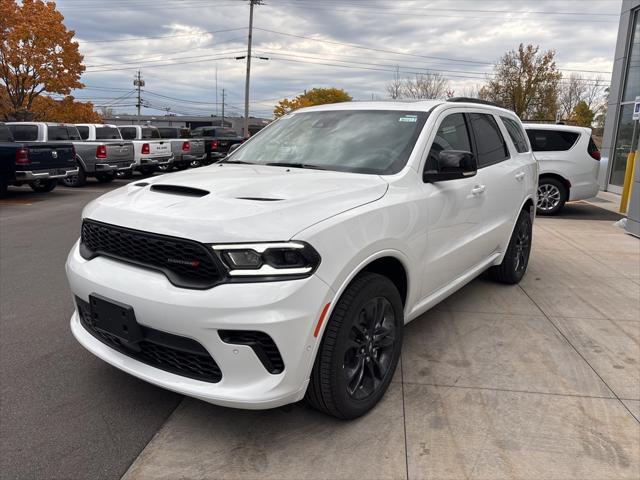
<point>67,110</point>
<point>37,53</point>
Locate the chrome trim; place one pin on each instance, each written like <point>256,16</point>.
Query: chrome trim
<point>27,175</point>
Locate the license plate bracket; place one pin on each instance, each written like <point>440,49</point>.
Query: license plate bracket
<point>114,318</point>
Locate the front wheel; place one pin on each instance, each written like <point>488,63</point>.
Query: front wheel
<point>43,186</point>
<point>360,348</point>
<point>515,261</point>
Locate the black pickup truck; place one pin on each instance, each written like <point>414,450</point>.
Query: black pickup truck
<point>38,164</point>
<point>217,141</point>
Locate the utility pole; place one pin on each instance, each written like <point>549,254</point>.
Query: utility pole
<point>246,83</point>
<point>138,82</point>
<point>216,89</point>
<point>222,121</point>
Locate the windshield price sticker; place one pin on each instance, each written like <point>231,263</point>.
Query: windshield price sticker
<point>408,118</point>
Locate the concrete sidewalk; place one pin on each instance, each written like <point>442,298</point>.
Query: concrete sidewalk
<point>540,380</point>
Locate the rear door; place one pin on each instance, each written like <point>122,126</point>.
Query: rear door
<point>501,176</point>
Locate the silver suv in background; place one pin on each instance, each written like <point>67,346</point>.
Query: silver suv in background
<point>569,161</point>
<point>96,156</point>
<point>185,150</point>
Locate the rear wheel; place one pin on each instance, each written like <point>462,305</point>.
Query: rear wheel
<point>360,349</point>
<point>43,186</point>
<point>514,264</point>
<point>78,180</point>
<point>105,177</point>
<point>552,195</point>
<point>182,166</point>
<point>165,168</point>
<point>195,164</point>
<point>146,171</point>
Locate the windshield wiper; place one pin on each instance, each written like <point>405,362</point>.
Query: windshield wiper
<point>295,165</point>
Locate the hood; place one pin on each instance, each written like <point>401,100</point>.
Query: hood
<point>227,203</point>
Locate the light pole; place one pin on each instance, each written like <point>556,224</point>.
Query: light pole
<point>246,82</point>
<point>138,82</point>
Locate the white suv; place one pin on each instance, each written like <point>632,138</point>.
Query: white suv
<point>569,162</point>
<point>290,268</point>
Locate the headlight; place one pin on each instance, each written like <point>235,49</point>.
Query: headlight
<point>265,261</point>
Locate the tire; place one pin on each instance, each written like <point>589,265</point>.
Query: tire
<point>514,264</point>
<point>195,164</point>
<point>182,166</point>
<point>552,195</point>
<point>125,174</point>
<point>352,371</point>
<point>43,186</point>
<point>105,177</point>
<point>75,181</point>
<point>146,171</point>
<point>165,168</point>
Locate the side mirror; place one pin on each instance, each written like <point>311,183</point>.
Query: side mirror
<point>234,147</point>
<point>450,165</point>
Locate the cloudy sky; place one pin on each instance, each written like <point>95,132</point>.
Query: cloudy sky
<point>352,44</point>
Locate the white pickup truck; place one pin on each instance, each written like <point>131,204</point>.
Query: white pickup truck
<point>100,156</point>
<point>150,150</point>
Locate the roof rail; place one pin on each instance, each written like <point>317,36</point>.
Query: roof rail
<point>471,100</point>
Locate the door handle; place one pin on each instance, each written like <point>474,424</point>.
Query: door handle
<point>520,176</point>
<point>478,189</point>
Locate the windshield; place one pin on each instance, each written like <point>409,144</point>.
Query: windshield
<point>107,133</point>
<point>360,141</point>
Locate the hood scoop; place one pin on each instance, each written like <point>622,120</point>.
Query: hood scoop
<point>261,199</point>
<point>179,190</point>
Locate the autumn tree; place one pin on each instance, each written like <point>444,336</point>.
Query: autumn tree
<point>66,110</point>
<point>582,115</point>
<point>576,89</point>
<point>526,81</point>
<point>419,87</point>
<point>315,96</point>
<point>37,54</point>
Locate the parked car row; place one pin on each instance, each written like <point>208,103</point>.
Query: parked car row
<point>105,151</point>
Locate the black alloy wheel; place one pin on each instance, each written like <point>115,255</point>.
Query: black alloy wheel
<point>43,186</point>
<point>360,348</point>
<point>78,180</point>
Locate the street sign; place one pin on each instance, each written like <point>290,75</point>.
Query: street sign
<point>636,109</point>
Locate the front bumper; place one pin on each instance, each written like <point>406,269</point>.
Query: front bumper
<point>30,176</point>
<point>287,311</point>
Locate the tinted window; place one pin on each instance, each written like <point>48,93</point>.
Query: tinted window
<point>84,132</point>
<point>24,133</point>
<point>491,147</point>
<point>128,133</point>
<point>516,134</point>
<point>59,132</point>
<point>362,141</point>
<point>551,140</point>
<point>452,134</point>
<point>169,132</point>
<point>107,133</point>
<point>148,132</point>
<point>5,134</point>
<point>72,133</point>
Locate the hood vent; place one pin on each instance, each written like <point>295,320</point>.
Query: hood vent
<point>260,199</point>
<point>180,190</point>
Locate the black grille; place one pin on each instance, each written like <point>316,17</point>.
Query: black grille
<point>172,353</point>
<point>261,343</point>
<point>186,263</point>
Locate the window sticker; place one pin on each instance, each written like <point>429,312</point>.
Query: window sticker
<point>408,118</point>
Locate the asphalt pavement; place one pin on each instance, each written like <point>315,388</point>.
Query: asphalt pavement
<point>64,414</point>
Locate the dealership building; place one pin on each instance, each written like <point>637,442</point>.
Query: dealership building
<point>625,87</point>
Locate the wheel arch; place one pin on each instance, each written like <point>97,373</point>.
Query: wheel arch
<point>557,176</point>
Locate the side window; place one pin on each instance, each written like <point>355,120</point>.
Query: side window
<point>516,134</point>
<point>452,134</point>
<point>24,133</point>
<point>55,132</point>
<point>491,147</point>
<point>84,132</point>
<point>73,134</point>
<point>551,140</point>
<point>128,133</point>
